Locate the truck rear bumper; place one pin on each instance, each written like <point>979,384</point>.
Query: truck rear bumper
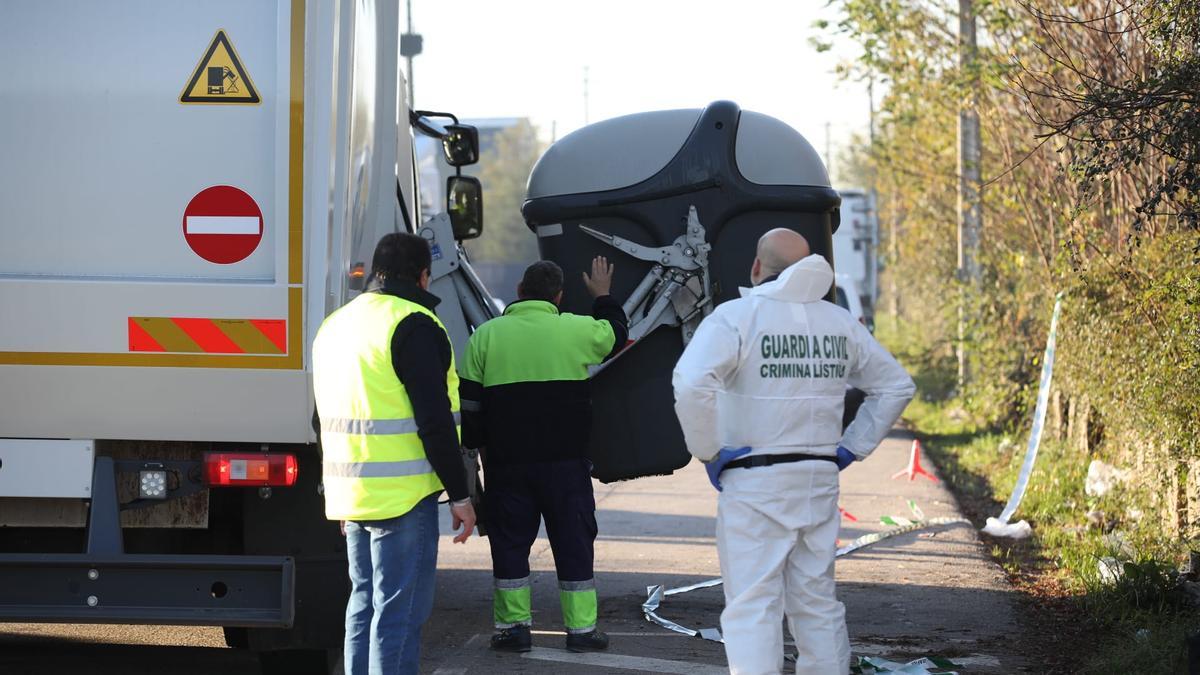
<point>156,589</point>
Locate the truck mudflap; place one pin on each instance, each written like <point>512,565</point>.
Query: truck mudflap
<point>147,589</point>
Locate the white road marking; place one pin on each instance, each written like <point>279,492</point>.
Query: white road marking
<point>663,633</point>
<point>473,639</point>
<point>642,663</point>
<point>976,660</point>
<point>222,225</point>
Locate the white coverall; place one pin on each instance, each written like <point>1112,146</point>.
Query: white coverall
<point>769,371</point>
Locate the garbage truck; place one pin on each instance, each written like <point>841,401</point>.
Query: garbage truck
<point>188,190</point>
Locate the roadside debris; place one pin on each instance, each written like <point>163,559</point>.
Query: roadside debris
<point>1102,478</point>
<point>1017,530</point>
<point>1111,570</point>
<point>871,665</point>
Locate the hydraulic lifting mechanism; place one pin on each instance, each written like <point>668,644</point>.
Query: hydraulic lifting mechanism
<point>660,298</point>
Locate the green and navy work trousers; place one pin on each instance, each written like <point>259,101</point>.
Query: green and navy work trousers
<point>516,499</point>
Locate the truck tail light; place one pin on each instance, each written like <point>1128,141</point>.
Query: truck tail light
<point>229,469</point>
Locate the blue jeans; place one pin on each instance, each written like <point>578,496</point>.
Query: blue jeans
<point>392,565</point>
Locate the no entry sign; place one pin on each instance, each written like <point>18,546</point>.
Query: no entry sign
<point>222,224</point>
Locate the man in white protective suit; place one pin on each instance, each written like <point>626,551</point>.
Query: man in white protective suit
<point>759,393</point>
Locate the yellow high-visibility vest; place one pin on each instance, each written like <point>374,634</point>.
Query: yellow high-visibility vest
<point>374,463</point>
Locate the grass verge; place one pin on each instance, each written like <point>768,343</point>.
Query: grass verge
<point>1081,622</point>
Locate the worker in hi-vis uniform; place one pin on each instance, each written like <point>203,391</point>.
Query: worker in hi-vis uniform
<point>387,398</point>
<point>526,402</point>
<point>759,393</point>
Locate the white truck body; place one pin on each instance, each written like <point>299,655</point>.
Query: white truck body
<point>101,161</point>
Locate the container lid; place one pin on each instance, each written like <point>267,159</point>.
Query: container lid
<point>625,151</point>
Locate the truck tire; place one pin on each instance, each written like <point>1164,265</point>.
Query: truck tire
<point>291,521</point>
<point>235,637</point>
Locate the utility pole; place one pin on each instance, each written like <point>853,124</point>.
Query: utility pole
<point>828,157</point>
<point>585,96</point>
<point>410,46</point>
<point>871,109</point>
<point>893,257</point>
<point>970,211</point>
<point>873,271</point>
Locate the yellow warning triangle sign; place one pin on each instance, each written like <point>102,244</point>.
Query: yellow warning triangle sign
<point>220,77</point>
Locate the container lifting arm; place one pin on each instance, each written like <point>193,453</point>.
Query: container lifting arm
<point>657,300</point>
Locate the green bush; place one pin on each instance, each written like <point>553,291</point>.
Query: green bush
<point>1131,341</point>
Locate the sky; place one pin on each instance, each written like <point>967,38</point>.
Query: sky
<point>526,58</point>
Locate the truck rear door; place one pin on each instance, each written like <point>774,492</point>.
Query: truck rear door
<point>151,266</point>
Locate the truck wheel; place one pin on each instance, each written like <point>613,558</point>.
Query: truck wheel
<point>302,662</point>
<point>235,637</point>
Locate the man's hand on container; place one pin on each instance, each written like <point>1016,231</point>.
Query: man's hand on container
<point>463,514</point>
<point>600,281</point>
<point>716,465</point>
<point>844,458</point>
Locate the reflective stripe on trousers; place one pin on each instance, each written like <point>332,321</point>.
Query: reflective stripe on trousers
<point>512,603</point>
<point>579,606</point>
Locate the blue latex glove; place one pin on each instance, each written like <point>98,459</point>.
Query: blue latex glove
<point>845,458</point>
<point>717,464</point>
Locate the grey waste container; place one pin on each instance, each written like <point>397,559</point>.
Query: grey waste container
<point>636,177</point>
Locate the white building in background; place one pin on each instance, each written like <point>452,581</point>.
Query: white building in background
<point>856,244</point>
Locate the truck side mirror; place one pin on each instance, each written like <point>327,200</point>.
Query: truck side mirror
<point>464,203</point>
<point>461,144</point>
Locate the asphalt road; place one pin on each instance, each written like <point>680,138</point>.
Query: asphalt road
<point>921,594</point>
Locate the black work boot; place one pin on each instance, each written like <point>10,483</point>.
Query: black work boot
<point>515,639</point>
<point>592,641</point>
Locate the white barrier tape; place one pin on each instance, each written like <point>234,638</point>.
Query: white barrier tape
<point>1035,433</point>
<point>654,596</point>
<point>868,539</point>
<point>656,593</point>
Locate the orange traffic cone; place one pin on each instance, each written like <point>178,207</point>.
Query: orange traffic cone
<point>914,467</point>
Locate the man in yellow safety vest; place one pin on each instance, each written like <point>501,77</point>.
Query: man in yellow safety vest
<point>387,398</point>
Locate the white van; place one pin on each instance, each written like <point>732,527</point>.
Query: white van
<point>846,297</point>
